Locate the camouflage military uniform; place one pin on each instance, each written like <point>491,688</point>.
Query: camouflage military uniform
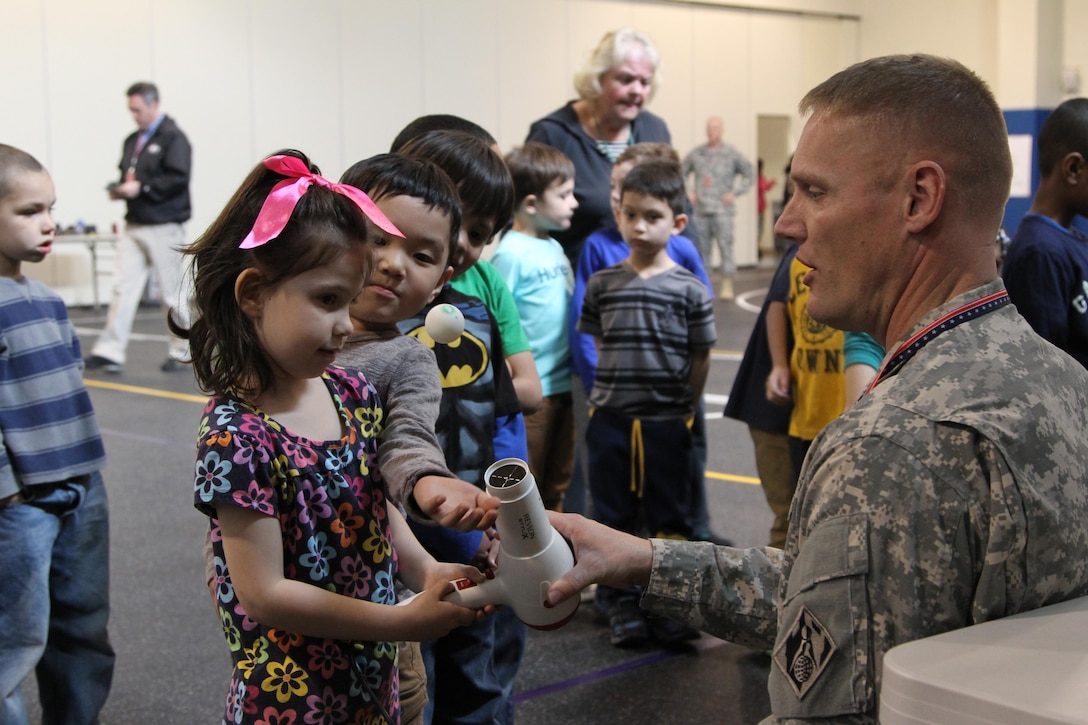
<point>716,170</point>
<point>952,494</point>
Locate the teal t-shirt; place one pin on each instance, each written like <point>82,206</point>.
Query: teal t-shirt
<point>540,277</point>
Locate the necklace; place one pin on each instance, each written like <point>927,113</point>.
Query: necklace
<point>612,149</point>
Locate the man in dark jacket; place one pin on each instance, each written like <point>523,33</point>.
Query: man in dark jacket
<point>155,168</point>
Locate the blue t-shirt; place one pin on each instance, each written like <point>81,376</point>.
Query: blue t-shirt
<point>1046,274</point>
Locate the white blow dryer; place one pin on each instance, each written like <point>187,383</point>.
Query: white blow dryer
<point>531,553</point>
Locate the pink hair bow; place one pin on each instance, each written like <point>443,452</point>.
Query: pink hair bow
<point>277,208</point>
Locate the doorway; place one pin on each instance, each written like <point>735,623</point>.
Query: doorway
<point>774,148</point>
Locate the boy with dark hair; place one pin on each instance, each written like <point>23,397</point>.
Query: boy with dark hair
<point>54,521</point>
<point>443,135</point>
<point>407,273</point>
<point>471,670</point>
<point>606,247</point>
<point>539,276</point>
<point>440,122</point>
<point>1046,268</point>
<point>654,326</point>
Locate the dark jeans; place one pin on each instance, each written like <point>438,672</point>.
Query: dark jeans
<point>640,480</point>
<point>700,513</point>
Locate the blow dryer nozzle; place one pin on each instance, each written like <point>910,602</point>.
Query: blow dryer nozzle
<point>531,553</point>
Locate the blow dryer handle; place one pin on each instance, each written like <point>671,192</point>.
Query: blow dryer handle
<point>469,594</point>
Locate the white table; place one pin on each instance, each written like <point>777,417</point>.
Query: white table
<point>1028,669</point>
<point>92,242</point>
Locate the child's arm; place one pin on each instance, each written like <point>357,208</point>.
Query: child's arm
<point>861,359</point>
<point>522,369</point>
<point>700,369</point>
<point>253,546</point>
<point>778,381</point>
<point>407,379</point>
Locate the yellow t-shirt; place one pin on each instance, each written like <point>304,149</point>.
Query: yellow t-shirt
<point>816,365</point>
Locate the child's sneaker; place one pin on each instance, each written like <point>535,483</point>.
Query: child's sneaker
<point>669,631</point>
<point>628,624</point>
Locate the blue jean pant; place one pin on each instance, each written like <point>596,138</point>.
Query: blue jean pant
<point>54,602</point>
<point>471,672</point>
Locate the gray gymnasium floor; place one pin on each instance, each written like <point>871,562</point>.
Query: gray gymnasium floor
<point>172,662</point>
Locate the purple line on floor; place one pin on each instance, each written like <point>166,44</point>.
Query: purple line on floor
<point>589,677</point>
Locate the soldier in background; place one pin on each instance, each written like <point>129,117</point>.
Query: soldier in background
<point>721,175</point>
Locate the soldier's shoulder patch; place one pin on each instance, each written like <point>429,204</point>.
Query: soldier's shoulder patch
<point>803,652</point>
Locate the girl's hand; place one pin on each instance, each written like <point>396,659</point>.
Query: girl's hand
<point>443,572</point>
<point>431,616</point>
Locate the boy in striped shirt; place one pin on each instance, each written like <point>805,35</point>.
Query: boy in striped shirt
<point>54,525</point>
<point>653,325</point>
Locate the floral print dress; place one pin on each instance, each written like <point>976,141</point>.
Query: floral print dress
<point>331,507</point>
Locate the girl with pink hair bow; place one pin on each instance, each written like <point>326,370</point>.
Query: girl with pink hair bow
<point>302,534</point>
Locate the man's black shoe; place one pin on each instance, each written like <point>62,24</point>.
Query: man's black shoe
<point>97,362</point>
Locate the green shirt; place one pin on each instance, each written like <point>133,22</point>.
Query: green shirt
<point>482,281</point>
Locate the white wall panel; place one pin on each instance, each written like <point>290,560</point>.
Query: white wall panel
<point>296,78</point>
<point>825,50</point>
<point>24,82</point>
<point>460,58</point>
<point>1075,50</point>
<point>778,69</point>
<point>721,84</point>
<point>93,52</point>
<point>382,86</point>
<point>964,30</point>
<point>534,69</point>
<point>203,68</point>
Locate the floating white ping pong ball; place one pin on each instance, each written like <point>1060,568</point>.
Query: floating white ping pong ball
<point>445,323</point>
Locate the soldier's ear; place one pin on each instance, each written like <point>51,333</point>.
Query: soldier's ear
<point>926,185</point>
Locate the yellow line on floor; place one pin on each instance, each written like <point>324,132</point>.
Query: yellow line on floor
<point>145,391</point>
<point>201,399</point>
<point>731,477</point>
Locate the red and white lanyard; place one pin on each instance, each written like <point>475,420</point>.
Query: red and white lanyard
<point>926,335</point>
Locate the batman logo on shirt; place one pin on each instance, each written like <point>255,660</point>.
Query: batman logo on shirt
<point>461,362</point>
